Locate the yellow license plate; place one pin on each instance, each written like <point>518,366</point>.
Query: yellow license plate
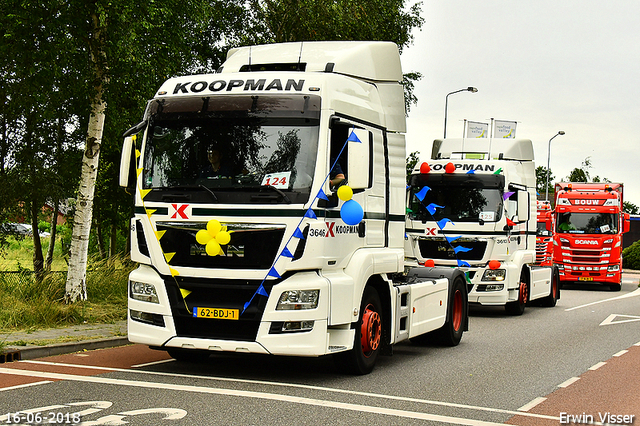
<point>216,313</point>
<point>585,279</point>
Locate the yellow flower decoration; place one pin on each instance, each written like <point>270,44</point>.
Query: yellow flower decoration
<point>213,237</point>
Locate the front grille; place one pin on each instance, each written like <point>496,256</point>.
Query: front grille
<point>439,248</point>
<point>252,246</point>
<point>216,293</point>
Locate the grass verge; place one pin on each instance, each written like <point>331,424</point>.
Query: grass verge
<point>33,304</point>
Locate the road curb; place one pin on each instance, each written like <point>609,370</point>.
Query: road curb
<point>32,352</point>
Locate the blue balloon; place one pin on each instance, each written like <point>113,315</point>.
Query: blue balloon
<point>351,212</point>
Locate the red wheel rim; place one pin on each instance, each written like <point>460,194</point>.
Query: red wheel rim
<point>456,314</point>
<point>523,293</point>
<point>370,330</point>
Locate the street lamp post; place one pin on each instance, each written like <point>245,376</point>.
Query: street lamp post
<point>546,186</point>
<point>446,102</point>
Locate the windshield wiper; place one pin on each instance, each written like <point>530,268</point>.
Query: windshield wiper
<point>273,188</point>
<point>183,196</point>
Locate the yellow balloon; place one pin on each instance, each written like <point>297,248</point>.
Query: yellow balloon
<point>223,237</point>
<point>213,226</point>
<point>212,248</point>
<point>345,193</point>
<point>203,237</point>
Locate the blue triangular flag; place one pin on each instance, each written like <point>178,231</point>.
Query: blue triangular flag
<point>246,305</point>
<point>322,195</point>
<point>353,137</point>
<point>286,253</point>
<point>310,213</point>
<point>273,273</point>
<point>507,195</point>
<point>422,193</point>
<point>442,222</point>
<point>452,239</point>
<point>459,249</point>
<point>471,172</point>
<point>298,234</point>
<point>431,208</point>
<point>261,291</point>
<point>463,263</point>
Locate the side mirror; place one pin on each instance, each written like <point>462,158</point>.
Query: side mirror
<point>547,222</point>
<point>523,206</point>
<point>359,163</point>
<point>626,225</point>
<point>126,164</point>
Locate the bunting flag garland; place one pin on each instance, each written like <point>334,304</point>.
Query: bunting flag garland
<point>459,249</point>
<point>286,253</point>
<point>351,214</point>
<point>507,195</point>
<point>432,208</point>
<point>422,193</point>
<point>322,195</point>
<point>442,223</point>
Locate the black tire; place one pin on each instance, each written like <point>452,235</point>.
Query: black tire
<point>615,287</point>
<point>516,308</point>
<point>362,358</point>
<point>552,298</point>
<point>450,333</point>
<point>188,355</point>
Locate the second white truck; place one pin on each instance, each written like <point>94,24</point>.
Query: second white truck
<point>473,206</point>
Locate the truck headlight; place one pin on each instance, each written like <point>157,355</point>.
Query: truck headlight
<point>143,291</point>
<point>613,268</point>
<point>494,275</point>
<point>298,300</point>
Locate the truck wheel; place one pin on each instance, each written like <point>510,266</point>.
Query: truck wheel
<point>552,298</point>
<point>615,287</point>
<point>368,337</point>
<point>451,332</point>
<point>517,307</point>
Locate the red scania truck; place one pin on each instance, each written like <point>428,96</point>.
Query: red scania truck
<point>589,223</point>
<point>544,234</point>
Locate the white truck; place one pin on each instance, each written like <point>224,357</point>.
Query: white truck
<point>247,242</point>
<point>473,205</point>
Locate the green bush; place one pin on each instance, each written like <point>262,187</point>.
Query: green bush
<point>631,256</point>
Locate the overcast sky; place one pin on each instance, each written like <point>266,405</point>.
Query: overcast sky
<point>550,65</point>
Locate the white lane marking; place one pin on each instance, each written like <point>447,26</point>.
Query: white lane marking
<point>624,296</point>
<point>299,386</point>
<point>596,366</point>
<point>568,382</point>
<point>532,404</point>
<point>621,353</point>
<point>637,344</point>
<point>611,319</point>
<point>164,361</point>
<point>259,395</point>
<point>26,385</point>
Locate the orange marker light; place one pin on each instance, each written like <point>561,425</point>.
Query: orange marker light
<point>429,263</point>
<point>494,264</point>
<point>424,168</point>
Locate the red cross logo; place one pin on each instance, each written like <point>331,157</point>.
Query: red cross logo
<point>179,211</point>
<point>330,226</point>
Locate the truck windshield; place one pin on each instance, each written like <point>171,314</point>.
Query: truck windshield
<point>461,198</point>
<point>587,223</point>
<point>232,144</point>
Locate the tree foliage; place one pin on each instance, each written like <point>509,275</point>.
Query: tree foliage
<point>61,59</point>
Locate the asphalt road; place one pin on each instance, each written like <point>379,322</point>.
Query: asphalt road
<point>506,369</point>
